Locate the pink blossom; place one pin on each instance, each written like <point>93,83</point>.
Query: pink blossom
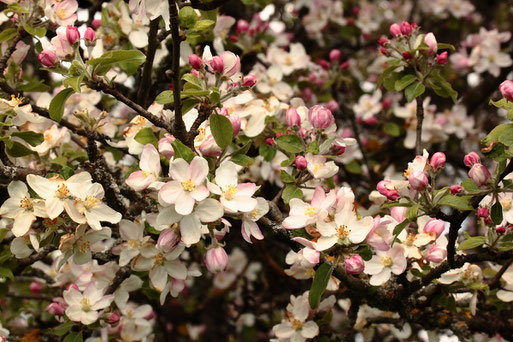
<point>335,55</point>
<point>386,188</point>
<point>437,160</point>
<point>430,41</point>
<point>435,226</point>
<point>249,81</point>
<point>292,117</point>
<point>471,159</point>
<point>320,117</point>
<point>195,61</point>
<point>395,30</point>
<point>354,264</point>
<point>47,58</point>
<point>406,28</point>
<point>441,59</point>
<point>506,89</point>
<point>72,34</point>
<point>216,260</point>
<point>436,253</point>
<point>479,174</point>
<point>300,162</point>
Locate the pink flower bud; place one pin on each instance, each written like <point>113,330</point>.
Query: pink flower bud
<point>292,117</point>
<point>430,41</point>
<point>339,150</point>
<point>414,25</point>
<point>231,63</point>
<point>35,287</point>
<point>217,65</point>
<point>335,55</point>
<point>195,61</point>
<point>395,30</point>
<point>436,253</point>
<point>386,103</point>
<point>324,64</point>
<point>269,141</point>
<point>113,318</point>
<point>344,65</point>
<point>235,120</point>
<point>479,174</point>
<point>471,159</point>
<point>506,89</point>
<point>320,117</point>
<point>150,316</point>
<point>456,189</point>
<point>384,51</point>
<point>500,230</point>
<point>418,180</point>
<point>407,55</point>
<point>248,81</point>
<point>386,188</point>
<point>242,26</point>
<point>434,226</point>
<point>300,162</point>
<point>354,264</point>
<point>47,58</point>
<point>216,260</point>
<point>441,59</point>
<point>72,34</point>
<point>438,160</point>
<point>483,212</point>
<point>168,240</point>
<point>55,309</point>
<point>165,147</point>
<point>210,148</point>
<point>406,28</point>
<point>332,105</point>
<point>382,41</point>
<point>96,23</point>
<point>89,36</point>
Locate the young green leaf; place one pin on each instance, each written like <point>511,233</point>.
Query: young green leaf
<point>320,281</point>
<point>222,130</point>
<point>56,108</point>
<point>414,90</point>
<point>290,192</point>
<point>290,143</point>
<point>32,138</point>
<point>472,242</point>
<point>182,151</point>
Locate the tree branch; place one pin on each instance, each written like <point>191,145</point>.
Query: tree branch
<point>420,119</point>
<point>144,86</point>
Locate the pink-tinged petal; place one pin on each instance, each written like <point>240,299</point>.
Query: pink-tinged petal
<point>73,212</point>
<point>185,204</point>
<point>318,196</point>
<point>200,193</point>
<point>129,230</point>
<point>150,160</point>
<point>297,207</point>
<point>179,170</point>
<point>246,231</point>
<point>158,278</point>
<point>170,193</point>
<point>304,242</point>
<point>325,242</point>
<point>103,302</point>
<point>139,180</point>
<point>199,170</point>
<point>240,203</point>
<point>168,216</point>
<point>176,269</point>
<point>54,207</point>
<point>374,265</point>
<point>72,296</point>
<point>256,232</point>
<point>126,255</point>
<point>329,200</point>
<point>360,229</point>
<point>22,224</point>
<point>311,255</point>
<point>246,189</point>
<point>190,229</point>
<point>294,222</point>
<point>209,210</point>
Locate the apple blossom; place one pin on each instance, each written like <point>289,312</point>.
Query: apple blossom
<point>471,159</point>
<point>383,264</point>
<point>47,58</point>
<point>431,42</point>
<point>302,214</point>
<point>395,30</point>
<point>479,174</point>
<point>320,117</point>
<point>150,169</point>
<point>436,254</point>
<point>354,264</point>
<point>434,226</point>
<point>83,306</point>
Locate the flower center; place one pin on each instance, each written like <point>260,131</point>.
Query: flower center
<point>86,304</point>
<point>254,214</point>
<point>188,185</point>
<point>317,167</point>
<point>159,259</point>
<point>91,202</point>
<point>310,212</point>
<point>26,203</point>
<point>133,243</point>
<point>343,232</point>
<point>296,324</point>
<point>62,14</point>
<point>230,192</point>
<point>145,174</point>
<point>506,204</point>
<point>62,190</point>
<point>385,260</point>
<point>84,246</point>
<point>48,136</point>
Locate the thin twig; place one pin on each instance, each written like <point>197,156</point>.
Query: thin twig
<point>420,119</point>
<point>144,86</point>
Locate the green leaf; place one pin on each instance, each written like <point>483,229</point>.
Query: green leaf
<point>496,213</point>
<point>63,328</point>
<point>290,143</point>
<point>313,147</point>
<point>73,82</point>
<point>187,16</point>
<point>404,81</point>
<point>285,177</point>
<point>354,168</point>
<point>290,192</point>
<point>443,46</point>
<point>35,31</point>
<point>34,86</point>
<point>32,138</point>
<point>15,8</point>
<point>456,202</point>
<point>8,34</point>
<point>222,130</point>
<point>126,59</point>
<point>266,151</point>
<point>56,109</point>
<point>18,150</point>
<point>399,228</point>
<point>191,78</point>
<point>320,281</point>
<point>392,129</point>
<point>385,74</point>
<point>441,87</point>
<point>414,90</point>
<point>165,97</point>
<point>470,186</point>
<point>6,273</point>
<point>472,242</point>
<point>74,337</point>
<point>204,25</point>
<point>496,133</point>
<point>411,213</point>
<point>182,151</point>
<point>146,136</point>
<point>502,103</point>
<point>389,81</point>
<point>241,159</point>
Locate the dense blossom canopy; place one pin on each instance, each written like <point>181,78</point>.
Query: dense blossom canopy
<point>255,170</point>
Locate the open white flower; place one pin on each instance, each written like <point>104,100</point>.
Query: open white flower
<point>345,228</point>
<point>88,206</point>
<point>302,214</point>
<point>83,307</point>
<point>249,226</point>
<point>133,234</point>
<point>55,191</point>
<point>296,327</point>
<point>383,264</point>
<point>150,169</point>
<point>234,196</point>
<point>319,168</point>
<point>187,187</point>
<point>20,207</point>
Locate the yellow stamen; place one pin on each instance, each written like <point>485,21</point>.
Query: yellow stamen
<point>385,260</point>
<point>188,185</point>
<point>230,192</point>
<point>311,212</point>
